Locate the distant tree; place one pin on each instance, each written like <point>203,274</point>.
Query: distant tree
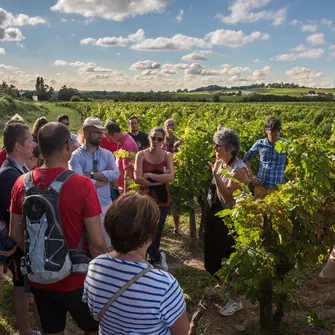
<point>10,90</point>
<point>66,93</point>
<point>216,98</point>
<point>43,91</point>
<point>75,98</point>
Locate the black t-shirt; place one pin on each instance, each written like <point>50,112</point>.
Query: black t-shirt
<point>141,140</point>
<point>7,181</point>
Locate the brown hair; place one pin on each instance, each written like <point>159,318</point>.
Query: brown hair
<point>131,221</point>
<point>39,123</point>
<point>273,123</point>
<point>13,133</point>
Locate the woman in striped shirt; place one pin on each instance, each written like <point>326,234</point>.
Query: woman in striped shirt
<point>153,304</point>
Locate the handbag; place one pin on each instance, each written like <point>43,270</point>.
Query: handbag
<point>121,290</point>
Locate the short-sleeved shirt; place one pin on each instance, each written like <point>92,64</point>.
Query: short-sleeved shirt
<point>127,144</point>
<point>78,200</point>
<point>107,144</point>
<point>272,163</point>
<point>150,306</point>
<point>141,140</point>
<point>3,155</point>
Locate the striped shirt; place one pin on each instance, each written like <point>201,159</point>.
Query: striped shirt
<point>272,163</point>
<point>149,306</point>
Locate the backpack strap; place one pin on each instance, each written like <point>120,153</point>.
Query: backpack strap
<point>28,182</point>
<point>121,290</point>
<point>61,179</point>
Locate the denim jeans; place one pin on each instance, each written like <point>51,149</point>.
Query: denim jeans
<point>153,250</point>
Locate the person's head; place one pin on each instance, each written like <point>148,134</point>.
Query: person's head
<point>272,128</point>
<point>170,127</point>
<point>63,118</point>
<point>55,141</point>
<point>33,161</point>
<point>131,222</point>
<point>18,141</point>
<point>156,137</point>
<point>114,132</point>
<point>226,143</point>
<point>134,124</point>
<point>93,131</point>
<point>39,123</point>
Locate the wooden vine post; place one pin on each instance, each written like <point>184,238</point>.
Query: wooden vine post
<point>266,288</point>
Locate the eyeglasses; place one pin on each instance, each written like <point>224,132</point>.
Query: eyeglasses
<point>95,165</point>
<point>217,146</point>
<point>277,130</point>
<point>154,138</point>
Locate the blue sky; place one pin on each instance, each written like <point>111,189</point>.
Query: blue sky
<point>165,44</point>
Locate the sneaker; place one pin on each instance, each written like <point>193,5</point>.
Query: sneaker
<point>162,264</point>
<point>231,307</point>
<point>177,232</point>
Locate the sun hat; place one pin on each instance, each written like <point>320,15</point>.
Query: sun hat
<point>93,122</point>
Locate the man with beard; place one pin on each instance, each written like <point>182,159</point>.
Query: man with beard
<point>96,163</point>
<point>139,137</point>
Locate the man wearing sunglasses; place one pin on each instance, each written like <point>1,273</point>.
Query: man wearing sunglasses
<point>96,163</point>
<point>272,163</point>
<point>66,121</point>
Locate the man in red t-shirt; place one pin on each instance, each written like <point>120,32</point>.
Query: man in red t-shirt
<point>79,209</point>
<point>127,144</point>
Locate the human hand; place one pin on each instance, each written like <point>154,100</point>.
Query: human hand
<point>255,180</point>
<point>214,167</point>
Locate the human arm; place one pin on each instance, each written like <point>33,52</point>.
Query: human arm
<point>16,230</point>
<point>254,150</point>
<point>181,325</point>
<point>226,191</point>
<point>96,240</point>
<point>138,172</point>
<point>166,177</point>
<point>111,173</point>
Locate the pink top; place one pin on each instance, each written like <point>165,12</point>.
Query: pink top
<point>3,156</point>
<point>128,144</point>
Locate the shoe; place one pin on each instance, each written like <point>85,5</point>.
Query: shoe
<point>231,307</point>
<point>177,232</point>
<point>162,263</point>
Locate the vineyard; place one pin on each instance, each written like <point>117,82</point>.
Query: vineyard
<point>278,237</point>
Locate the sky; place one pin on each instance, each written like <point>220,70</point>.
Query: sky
<point>142,45</point>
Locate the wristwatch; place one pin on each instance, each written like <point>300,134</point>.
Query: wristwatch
<point>92,174</point>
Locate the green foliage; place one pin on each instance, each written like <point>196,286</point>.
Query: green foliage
<point>75,98</point>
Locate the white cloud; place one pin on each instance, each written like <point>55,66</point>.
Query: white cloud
<point>315,39</point>
<point>11,35</point>
<point>309,27</point>
<point>177,42</point>
<point>244,11</point>
<point>9,19</point>
<point>115,41</point>
<point>306,53</point>
<point>234,38</point>
<point>307,77</point>
<point>197,69</point>
<point>7,67</point>
<point>285,57</point>
<point>256,60</point>
<point>145,65</point>
<point>168,71</point>
<point>180,16</point>
<point>2,51</point>
<point>137,37</point>
<point>300,48</point>
<point>180,66</point>
<point>295,22</point>
<point>63,19</point>
<point>20,45</point>
<point>261,75</point>
<point>61,63</point>
<point>312,53</point>
<point>327,22</point>
<point>195,56</point>
<point>116,10</point>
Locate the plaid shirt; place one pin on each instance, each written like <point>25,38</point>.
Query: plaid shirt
<point>272,163</point>
<point>174,146</point>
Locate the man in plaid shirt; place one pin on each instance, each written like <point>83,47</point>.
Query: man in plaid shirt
<point>272,163</point>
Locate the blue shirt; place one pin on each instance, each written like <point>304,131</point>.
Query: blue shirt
<point>149,306</point>
<point>82,162</point>
<point>272,163</point>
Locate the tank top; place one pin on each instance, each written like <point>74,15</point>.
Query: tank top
<point>149,168</point>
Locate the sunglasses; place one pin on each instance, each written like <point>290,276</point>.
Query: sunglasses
<point>274,130</point>
<point>95,165</point>
<point>158,139</point>
<point>217,146</point>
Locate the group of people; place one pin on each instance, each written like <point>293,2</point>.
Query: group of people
<point>126,287</point>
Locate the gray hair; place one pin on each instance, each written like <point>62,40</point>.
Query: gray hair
<point>229,139</point>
